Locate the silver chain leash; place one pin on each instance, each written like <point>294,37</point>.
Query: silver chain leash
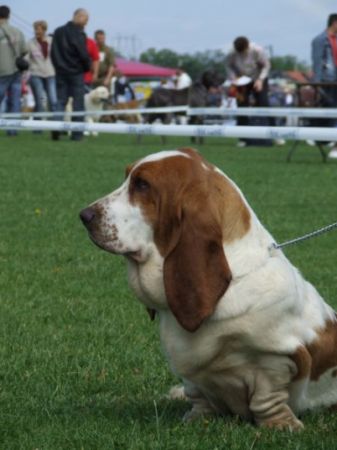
<point>304,238</point>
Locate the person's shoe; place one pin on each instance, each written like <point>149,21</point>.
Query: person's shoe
<point>55,135</point>
<point>241,144</point>
<point>76,138</point>
<point>310,142</point>
<point>279,141</point>
<point>333,153</point>
<point>11,133</point>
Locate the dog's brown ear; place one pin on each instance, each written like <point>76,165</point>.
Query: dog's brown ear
<point>196,271</point>
<point>128,169</point>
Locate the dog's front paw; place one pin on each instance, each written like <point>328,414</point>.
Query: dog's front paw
<point>286,424</point>
<point>177,392</point>
<point>195,414</point>
<point>199,411</point>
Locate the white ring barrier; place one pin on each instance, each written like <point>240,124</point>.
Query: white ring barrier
<point>239,111</point>
<point>265,111</point>
<point>287,133</point>
<point>107,112</point>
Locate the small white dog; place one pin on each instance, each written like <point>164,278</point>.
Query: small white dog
<point>94,101</point>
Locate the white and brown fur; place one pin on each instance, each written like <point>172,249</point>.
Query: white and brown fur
<point>241,327</point>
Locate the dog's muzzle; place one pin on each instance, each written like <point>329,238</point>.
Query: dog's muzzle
<point>87,216</point>
<point>90,219</point>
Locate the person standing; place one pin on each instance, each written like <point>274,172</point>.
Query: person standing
<point>324,66</point>
<point>107,66</point>
<point>42,73</point>
<point>90,77</point>
<point>12,45</point>
<point>250,61</point>
<point>71,60</point>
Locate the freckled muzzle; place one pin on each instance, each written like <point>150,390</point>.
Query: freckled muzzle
<point>106,236</point>
<point>103,235</point>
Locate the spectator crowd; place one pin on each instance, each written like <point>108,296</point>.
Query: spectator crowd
<point>64,65</point>
<point>68,64</point>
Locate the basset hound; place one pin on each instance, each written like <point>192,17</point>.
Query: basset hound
<point>239,325</point>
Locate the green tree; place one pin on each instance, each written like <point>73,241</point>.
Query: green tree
<point>164,57</point>
<point>197,63</point>
<point>287,62</point>
<point>194,64</point>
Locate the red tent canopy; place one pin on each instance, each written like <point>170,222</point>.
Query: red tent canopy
<point>142,70</point>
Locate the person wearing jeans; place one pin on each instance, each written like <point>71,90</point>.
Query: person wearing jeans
<point>12,45</point>
<point>42,72</point>
<point>11,84</point>
<point>324,66</point>
<point>41,86</point>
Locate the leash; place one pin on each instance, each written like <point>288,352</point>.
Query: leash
<point>304,238</point>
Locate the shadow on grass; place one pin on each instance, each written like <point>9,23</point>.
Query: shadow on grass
<point>121,411</point>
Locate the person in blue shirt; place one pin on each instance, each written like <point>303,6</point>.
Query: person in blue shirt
<point>324,66</point>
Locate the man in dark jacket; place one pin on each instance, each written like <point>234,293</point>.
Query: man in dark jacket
<point>71,60</point>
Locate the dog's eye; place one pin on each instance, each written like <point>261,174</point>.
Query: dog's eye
<point>141,185</point>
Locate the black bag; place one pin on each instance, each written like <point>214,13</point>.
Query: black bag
<point>21,63</point>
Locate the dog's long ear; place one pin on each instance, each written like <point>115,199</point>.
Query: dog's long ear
<point>128,169</point>
<point>196,271</point>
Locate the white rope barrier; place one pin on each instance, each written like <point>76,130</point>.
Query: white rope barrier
<point>221,111</point>
<point>107,112</point>
<point>265,112</point>
<point>287,133</point>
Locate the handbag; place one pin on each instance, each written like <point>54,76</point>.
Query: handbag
<point>20,62</point>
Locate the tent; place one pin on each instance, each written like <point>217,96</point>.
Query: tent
<point>136,69</point>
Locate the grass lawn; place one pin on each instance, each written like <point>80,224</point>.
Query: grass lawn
<point>80,362</point>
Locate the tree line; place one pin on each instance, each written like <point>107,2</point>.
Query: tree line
<point>195,64</point>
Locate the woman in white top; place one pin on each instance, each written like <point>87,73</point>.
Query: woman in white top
<point>42,74</point>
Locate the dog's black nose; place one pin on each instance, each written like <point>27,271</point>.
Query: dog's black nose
<point>87,215</point>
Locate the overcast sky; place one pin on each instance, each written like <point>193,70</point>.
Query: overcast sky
<point>288,26</point>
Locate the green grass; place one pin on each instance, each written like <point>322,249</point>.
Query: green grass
<point>80,362</point>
